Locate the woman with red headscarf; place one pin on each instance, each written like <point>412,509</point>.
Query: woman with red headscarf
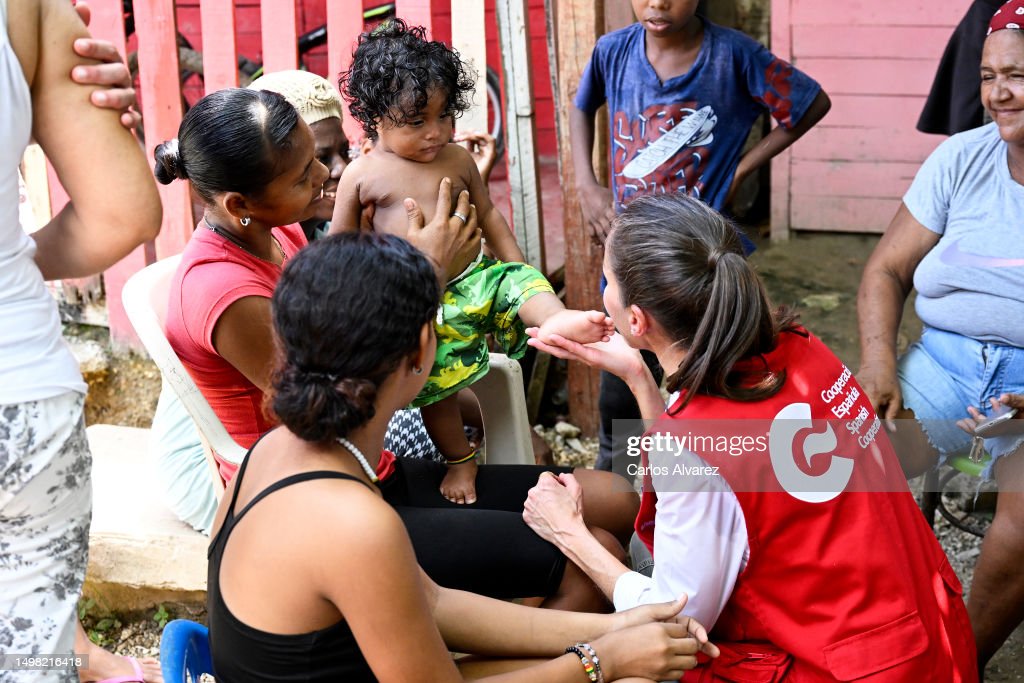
<point>957,239</point>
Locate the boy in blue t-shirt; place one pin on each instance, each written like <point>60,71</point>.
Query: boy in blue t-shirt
<point>682,96</point>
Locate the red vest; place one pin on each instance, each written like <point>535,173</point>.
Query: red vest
<point>845,584</point>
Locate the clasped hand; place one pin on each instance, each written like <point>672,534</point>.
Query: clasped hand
<point>656,642</point>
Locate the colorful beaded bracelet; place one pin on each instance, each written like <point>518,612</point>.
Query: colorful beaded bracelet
<point>593,673</point>
<point>593,658</point>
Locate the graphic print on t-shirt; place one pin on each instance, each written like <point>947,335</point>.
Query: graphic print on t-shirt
<point>953,255</point>
<point>664,150</point>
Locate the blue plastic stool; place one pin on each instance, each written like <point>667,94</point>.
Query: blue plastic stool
<point>185,651</point>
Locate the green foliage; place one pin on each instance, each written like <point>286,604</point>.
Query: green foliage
<point>84,607</point>
<point>161,616</point>
<point>103,631</point>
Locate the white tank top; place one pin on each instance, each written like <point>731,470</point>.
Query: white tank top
<point>35,362</point>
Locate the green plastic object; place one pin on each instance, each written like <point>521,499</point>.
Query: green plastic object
<point>962,463</point>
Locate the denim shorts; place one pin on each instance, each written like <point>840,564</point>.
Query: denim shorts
<point>944,372</point>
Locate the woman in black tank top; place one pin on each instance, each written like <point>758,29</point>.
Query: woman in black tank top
<point>312,576</point>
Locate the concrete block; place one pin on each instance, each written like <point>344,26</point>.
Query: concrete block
<point>140,554</point>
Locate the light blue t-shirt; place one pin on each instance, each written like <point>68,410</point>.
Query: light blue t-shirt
<point>972,281</point>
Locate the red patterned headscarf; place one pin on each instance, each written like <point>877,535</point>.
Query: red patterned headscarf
<point>1010,15</point>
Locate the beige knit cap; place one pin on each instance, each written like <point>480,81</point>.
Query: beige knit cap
<point>313,97</point>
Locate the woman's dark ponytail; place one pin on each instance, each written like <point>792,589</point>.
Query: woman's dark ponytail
<point>682,262</point>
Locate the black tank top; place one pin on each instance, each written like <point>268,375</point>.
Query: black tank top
<point>242,653</point>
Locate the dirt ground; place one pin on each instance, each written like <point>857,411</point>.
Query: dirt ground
<point>816,273</point>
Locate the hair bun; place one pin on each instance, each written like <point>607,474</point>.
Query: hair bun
<point>359,395</point>
<point>319,407</point>
<point>168,162</point>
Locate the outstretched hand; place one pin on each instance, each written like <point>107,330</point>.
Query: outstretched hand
<point>614,355</point>
<point>119,94</point>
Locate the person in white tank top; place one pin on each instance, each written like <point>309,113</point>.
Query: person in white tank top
<point>45,492</point>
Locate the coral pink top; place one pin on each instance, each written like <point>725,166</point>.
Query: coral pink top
<point>215,273</point>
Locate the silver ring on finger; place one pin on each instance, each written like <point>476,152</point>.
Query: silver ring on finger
<point>463,217</point>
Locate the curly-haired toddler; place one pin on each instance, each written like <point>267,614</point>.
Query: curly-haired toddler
<point>406,92</point>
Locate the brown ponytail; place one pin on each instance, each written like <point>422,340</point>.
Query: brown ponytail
<point>682,262</point>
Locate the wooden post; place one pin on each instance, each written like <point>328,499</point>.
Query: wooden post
<point>279,32</point>
<point>108,24</point>
<point>344,24</point>
<point>782,47</point>
<point>617,15</point>
<point>416,13</point>
<point>160,91</point>
<point>523,171</point>
<point>577,25</point>
<point>469,38</point>
<point>220,56</point>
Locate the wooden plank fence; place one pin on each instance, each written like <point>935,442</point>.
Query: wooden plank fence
<point>876,59</point>
<point>161,98</point>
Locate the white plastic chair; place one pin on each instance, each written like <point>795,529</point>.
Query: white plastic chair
<point>502,401</point>
<point>145,297</point>
<point>500,392</point>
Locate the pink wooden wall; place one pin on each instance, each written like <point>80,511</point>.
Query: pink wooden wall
<point>876,59</point>
<point>191,17</point>
<point>264,31</point>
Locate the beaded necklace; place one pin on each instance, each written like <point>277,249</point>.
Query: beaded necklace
<point>358,455</point>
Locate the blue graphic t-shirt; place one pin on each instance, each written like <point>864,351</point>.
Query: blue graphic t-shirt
<point>687,134</point>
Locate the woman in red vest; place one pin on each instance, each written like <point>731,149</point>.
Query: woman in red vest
<point>771,495</point>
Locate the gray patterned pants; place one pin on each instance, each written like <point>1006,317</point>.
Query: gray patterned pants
<point>45,510</point>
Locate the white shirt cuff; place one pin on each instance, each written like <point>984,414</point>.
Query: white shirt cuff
<point>630,589</point>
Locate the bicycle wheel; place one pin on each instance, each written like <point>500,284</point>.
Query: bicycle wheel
<point>495,115</point>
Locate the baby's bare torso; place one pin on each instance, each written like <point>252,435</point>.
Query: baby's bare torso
<point>386,180</point>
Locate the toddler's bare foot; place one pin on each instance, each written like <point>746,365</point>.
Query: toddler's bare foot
<point>459,485</point>
<point>584,327</point>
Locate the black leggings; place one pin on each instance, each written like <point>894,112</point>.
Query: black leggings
<point>484,548</point>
